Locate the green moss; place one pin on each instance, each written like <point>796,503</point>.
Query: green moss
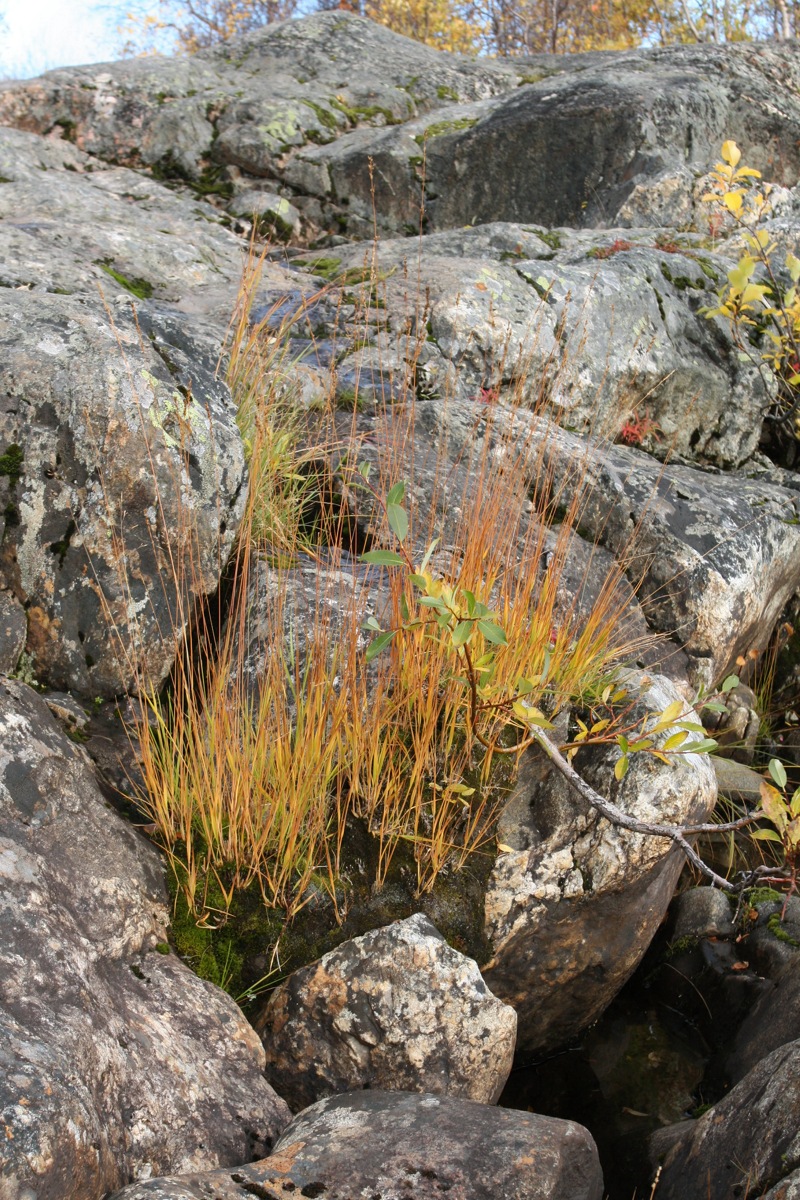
<point>777,930</point>
<point>681,945</point>
<point>442,128</point>
<point>68,129</point>
<point>327,268</point>
<point>550,238</point>
<point>323,115</point>
<point>683,282</point>
<point>362,112</point>
<point>446,93</point>
<point>764,895</point>
<point>140,288</point>
<point>707,269</point>
<point>11,463</point>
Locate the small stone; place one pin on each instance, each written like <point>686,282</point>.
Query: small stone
<point>703,912</point>
<point>272,212</point>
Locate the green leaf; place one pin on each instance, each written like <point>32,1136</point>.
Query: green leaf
<point>470,599</point>
<point>778,772</point>
<point>428,553</point>
<point>396,494</point>
<point>419,581</point>
<point>372,624</point>
<point>715,706</point>
<point>493,633</point>
<point>433,602</point>
<point>621,767</point>
<point>364,469</point>
<point>463,632</point>
<point>706,746</point>
<point>766,835</point>
<point>379,643</point>
<point>382,558</point>
<point>398,520</point>
<point>729,683</point>
<point>404,613</point>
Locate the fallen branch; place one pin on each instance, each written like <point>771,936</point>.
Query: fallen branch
<point>676,833</point>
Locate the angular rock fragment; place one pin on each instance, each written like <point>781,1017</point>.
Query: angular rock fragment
<point>396,1009</point>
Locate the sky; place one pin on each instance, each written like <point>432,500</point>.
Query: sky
<point>41,34</point>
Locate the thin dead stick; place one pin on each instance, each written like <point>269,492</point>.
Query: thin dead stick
<point>616,816</point>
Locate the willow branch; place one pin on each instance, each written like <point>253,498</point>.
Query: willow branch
<point>616,816</point>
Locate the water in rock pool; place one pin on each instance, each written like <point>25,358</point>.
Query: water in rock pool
<point>638,1068</point>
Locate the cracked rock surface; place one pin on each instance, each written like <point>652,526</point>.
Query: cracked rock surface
<point>116,1061</point>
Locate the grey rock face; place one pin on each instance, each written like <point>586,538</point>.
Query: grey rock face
<point>115,1061</point>
<point>395,1145</point>
<point>128,459</point>
<point>573,905</point>
<point>589,140</point>
<point>396,1009</point>
<point>534,315</point>
<point>715,556</point>
<point>703,912</point>
<point>250,100</point>
<point>774,1021</point>
<point>750,1140</point>
<point>121,467</point>
<point>13,631</point>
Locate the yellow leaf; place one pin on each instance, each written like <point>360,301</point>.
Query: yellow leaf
<point>733,202</point>
<point>731,153</point>
<point>504,849</point>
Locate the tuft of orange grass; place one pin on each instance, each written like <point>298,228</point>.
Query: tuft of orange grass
<point>253,782</point>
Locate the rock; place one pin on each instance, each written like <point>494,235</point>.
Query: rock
<point>787,1189</point>
<point>72,717</point>
<point>394,1010</point>
<point>584,142</point>
<point>572,907</point>
<point>116,1062</point>
<point>771,942</point>
<point>774,1021</point>
<point>703,912</point>
<point>396,1145</point>
<point>128,487</point>
<point>560,320</point>
<point>737,781</point>
<point>736,730</point>
<point>120,477</point>
<point>252,99</point>
<point>272,213</point>
<point>717,1161</point>
<point>13,631</point>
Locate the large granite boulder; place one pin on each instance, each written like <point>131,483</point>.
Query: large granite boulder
<point>396,1009</point>
<point>573,902</point>
<point>116,1061</point>
<point>395,1145</point>
<point>593,139</point>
